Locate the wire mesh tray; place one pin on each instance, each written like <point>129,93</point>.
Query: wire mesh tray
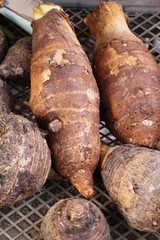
<point>22,221</point>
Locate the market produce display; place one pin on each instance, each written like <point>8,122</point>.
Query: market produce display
<point>64,97</point>
<point>128,77</point>
<point>16,65</point>
<point>131,174</point>
<point>65,102</point>
<point>74,219</point>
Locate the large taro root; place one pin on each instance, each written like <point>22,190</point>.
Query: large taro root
<point>17,62</point>
<point>3,45</point>
<point>128,77</point>
<point>131,174</point>
<point>74,219</point>
<point>64,96</point>
<point>24,159</point>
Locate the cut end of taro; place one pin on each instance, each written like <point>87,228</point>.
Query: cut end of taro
<point>43,8</point>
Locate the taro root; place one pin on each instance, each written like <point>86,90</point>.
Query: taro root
<point>5,99</point>
<point>128,77</point>
<point>74,219</point>
<point>16,65</point>
<point>3,45</point>
<point>131,174</point>
<point>64,97</point>
<point>24,159</point>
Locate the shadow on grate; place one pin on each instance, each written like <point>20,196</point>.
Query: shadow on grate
<point>22,221</point>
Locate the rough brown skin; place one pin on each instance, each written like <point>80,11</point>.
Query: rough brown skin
<point>5,99</point>
<point>128,77</point>
<point>131,174</point>
<point>3,45</point>
<point>74,219</point>
<point>65,98</point>
<point>16,65</point>
<point>24,159</point>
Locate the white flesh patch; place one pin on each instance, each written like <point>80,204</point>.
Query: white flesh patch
<point>147,123</point>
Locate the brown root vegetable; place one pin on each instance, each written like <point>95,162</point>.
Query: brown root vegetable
<point>16,65</point>
<point>131,174</point>
<point>74,219</point>
<point>64,96</point>
<point>3,45</point>
<point>5,99</point>
<point>24,159</point>
<point>128,77</point>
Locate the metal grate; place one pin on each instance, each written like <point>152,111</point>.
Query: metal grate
<point>22,221</point>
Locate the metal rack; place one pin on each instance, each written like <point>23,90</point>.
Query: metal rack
<point>22,221</point>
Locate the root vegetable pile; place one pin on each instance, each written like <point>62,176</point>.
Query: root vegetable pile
<point>131,175</point>
<point>16,65</point>
<point>65,101</point>
<point>74,219</point>
<point>64,96</point>
<point>128,77</point>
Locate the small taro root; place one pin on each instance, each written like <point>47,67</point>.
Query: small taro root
<point>64,97</point>
<point>5,99</point>
<point>24,159</point>
<point>131,174</point>
<point>128,77</point>
<point>3,45</point>
<point>74,219</point>
<point>16,65</point>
